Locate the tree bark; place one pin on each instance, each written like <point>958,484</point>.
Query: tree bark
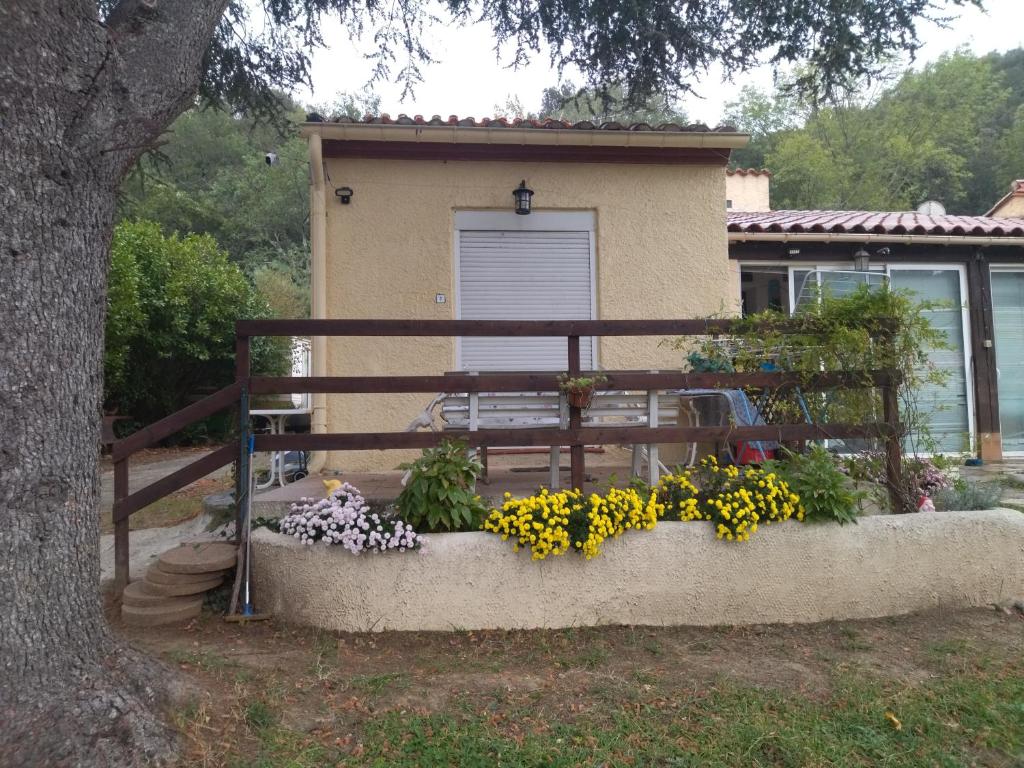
<point>79,101</point>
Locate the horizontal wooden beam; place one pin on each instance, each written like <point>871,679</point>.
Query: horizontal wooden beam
<point>197,470</point>
<point>537,153</point>
<point>177,421</point>
<point>548,382</point>
<point>704,327</point>
<point>585,436</point>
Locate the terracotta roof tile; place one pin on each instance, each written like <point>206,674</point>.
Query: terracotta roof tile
<point>518,122</point>
<point>873,222</point>
<point>748,172</point>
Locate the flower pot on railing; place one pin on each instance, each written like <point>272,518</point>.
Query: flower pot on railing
<point>579,391</point>
<point>580,398</point>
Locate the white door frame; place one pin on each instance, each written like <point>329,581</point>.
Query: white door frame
<point>888,267</point>
<point>965,325</point>
<point>993,268</point>
<point>538,221</point>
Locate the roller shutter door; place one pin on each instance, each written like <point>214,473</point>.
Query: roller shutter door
<point>523,275</point>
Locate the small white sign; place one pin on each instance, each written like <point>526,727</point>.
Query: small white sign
<point>439,298</point>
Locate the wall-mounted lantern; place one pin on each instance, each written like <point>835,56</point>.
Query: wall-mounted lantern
<point>862,260</point>
<point>344,194</point>
<point>522,195</point>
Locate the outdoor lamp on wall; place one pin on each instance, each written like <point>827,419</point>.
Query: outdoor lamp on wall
<point>522,195</point>
<point>344,194</point>
<point>862,260</point>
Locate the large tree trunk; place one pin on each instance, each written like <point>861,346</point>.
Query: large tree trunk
<point>79,101</point>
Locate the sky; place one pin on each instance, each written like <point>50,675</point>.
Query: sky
<point>467,80</point>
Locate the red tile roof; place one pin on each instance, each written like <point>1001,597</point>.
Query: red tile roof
<point>748,172</point>
<point>518,122</point>
<point>871,222</point>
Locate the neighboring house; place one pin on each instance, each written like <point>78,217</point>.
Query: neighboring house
<point>747,189</point>
<point>414,218</point>
<point>974,262</point>
<point>1011,204</point>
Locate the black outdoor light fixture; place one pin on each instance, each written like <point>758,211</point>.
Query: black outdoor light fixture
<point>522,195</point>
<point>344,194</point>
<point>862,260</point>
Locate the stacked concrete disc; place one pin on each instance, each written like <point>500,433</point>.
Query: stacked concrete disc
<point>173,587</point>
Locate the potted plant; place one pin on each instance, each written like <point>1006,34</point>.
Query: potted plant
<point>579,390</point>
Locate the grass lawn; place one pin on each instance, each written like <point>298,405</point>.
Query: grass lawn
<point>940,689</point>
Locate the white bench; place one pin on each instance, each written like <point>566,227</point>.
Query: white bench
<point>528,410</point>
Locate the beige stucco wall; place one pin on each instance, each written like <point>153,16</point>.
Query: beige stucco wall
<point>661,252</point>
<point>748,191</point>
<point>676,574</point>
<point>1012,207</point>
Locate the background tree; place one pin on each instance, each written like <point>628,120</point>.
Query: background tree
<point>173,302</point>
<point>566,101</point>
<point>945,132</point>
<point>87,88</point>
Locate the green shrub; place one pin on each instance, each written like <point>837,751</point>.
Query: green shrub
<point>170,328</point>
<point>441,492</point>
<point>824,490</point>
<point>968,496</point>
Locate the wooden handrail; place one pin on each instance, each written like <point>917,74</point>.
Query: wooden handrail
<point>249,328</point>
<point>548,436</point>
<point>541,382</point>
<point>178,479</point>
<point>167,426</point>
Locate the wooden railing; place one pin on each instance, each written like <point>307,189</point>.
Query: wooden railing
<point>575,436</point>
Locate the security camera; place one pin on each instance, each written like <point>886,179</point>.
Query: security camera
<point>271,158</point>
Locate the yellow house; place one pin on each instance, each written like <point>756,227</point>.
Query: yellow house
<point>414,219</point>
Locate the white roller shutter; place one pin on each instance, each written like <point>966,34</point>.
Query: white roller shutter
<point>524,275</point>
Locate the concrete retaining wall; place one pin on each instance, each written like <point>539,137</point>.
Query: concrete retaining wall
<point>677,573</point>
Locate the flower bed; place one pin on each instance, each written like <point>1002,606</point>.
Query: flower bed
<point>675,573</point>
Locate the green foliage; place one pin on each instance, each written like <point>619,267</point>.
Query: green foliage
<point>967,496</point>
<point>285,296</point>
<point>441,491</point>
<point>173,303</point>
<point>580,383</point>
<point>824,489</point>
<point>568,102</point>
<point>870,329</point>
<point>653,46</point>
<point>211,176</point>
<point>950,131</point>
<point>843,334</point>
<point>700,363</point>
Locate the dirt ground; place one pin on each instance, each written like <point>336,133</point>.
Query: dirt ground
<point>323,690</point>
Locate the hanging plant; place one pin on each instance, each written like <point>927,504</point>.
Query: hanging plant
<point>579,390</point>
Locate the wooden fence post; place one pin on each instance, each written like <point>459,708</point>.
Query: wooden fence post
<point>893,446</point>
<point>121,554</point>
<point>578,471</point>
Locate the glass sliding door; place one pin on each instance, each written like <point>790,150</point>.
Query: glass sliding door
<point>947,407</point>
<point>1008,319</point>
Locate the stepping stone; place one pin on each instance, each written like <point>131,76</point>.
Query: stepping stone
<point>156,575</point>
<point>199,557</point>
<point>137,593</point>
<point>171,612</point>
<point>177,590</point>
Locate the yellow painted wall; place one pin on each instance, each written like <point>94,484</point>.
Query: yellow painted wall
<point>748,192</point>
<point>1012,207</point>
<point>660,245</point>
